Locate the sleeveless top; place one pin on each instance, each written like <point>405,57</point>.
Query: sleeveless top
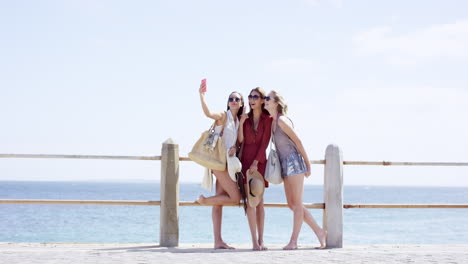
<point>230,130</point>
<point>283,143</point>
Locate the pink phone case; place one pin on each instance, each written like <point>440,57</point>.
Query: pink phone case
<point>204,83</point>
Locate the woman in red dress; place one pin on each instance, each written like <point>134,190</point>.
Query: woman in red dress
<point>255,133</point>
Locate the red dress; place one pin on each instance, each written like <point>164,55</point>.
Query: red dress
<point>255,144</point>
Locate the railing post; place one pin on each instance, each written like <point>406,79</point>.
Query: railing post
<point>333,197</point>
<point>169,215</point>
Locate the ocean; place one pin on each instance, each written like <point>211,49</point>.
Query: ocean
<point>122,224</point>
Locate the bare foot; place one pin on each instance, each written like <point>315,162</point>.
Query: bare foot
<point>323,239</point>
<point>291,246</point>
<point>222,245</point>
<point>262,247</point>
<point>201,199</point>
<point>256,247</point>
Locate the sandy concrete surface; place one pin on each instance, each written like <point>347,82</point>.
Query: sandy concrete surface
<point>149,253</point>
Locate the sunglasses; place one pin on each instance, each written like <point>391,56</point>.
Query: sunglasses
<point>232,99</point>
<point>255,97</point>
<point>267,98</point>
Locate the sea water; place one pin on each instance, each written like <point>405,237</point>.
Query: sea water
<point>122,224</point>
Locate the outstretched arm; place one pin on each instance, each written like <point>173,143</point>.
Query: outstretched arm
<point>206,110</point>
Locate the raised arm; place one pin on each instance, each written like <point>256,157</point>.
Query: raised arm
<point>285,125</point>
<point>206,110</point>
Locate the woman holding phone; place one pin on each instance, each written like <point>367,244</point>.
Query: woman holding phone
<point>295,165</point>
<point>254,134</point>
<point>227,192</point>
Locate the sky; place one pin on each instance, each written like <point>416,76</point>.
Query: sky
<point>383,80</point>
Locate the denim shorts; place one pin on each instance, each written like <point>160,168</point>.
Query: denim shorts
<point>293,164</point>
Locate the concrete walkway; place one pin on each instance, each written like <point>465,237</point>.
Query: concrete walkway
<point>28,253</point>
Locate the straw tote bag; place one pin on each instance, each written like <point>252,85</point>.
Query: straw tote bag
<point>273,166</point>
<point>210,151</point>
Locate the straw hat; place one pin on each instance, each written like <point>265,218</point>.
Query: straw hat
<point>255,188</point>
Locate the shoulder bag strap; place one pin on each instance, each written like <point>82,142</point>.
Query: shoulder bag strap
<point>213,126</point>
<point>272,139</point>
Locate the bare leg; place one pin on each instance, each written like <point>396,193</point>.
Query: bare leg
<point>294,188</point>
<point>231,194</point>
<point>260,224</point>
<point>319,232</point>
<point>293,202</point>
<point>253,227</point>
<point>255,217</point>
<point>217,216</point>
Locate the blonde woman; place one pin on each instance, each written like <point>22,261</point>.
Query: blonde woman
<point>226,190</point>
<point>295,166</point>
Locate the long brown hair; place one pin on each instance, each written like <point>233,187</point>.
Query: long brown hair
<point>241,109</point>
<point>262,95</point>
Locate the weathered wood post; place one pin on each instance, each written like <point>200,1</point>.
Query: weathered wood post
<point>169,215</point>
<point>333,197</point>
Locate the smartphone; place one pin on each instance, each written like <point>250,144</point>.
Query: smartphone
<point>203,82</point>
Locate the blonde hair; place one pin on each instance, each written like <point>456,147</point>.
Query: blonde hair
<point>282,107</point>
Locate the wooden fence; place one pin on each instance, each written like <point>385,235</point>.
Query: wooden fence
<point>169,204</point>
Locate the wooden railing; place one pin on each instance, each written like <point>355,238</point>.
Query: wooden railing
<point>169,214</point>
<point>273,205</point>
<point>129,202</point>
